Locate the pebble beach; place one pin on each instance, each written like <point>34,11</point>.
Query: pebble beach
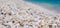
<point>21,14</point>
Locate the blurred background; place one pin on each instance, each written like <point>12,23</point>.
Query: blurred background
<point>49,4</point>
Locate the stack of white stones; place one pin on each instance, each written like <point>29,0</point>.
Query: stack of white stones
<point>15,15</point>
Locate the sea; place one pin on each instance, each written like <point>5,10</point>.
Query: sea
<point>49,4</point>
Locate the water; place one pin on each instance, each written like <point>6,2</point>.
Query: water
<point>50,4</point>
<point>56,2</point>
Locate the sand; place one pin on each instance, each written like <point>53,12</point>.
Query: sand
<point>21,14</point>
